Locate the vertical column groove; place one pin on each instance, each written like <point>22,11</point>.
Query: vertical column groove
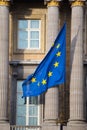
<point>4,27</point>
<point>51,97</point>
<point>76,80</point>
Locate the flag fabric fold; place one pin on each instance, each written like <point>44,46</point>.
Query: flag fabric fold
<point>51,71</point>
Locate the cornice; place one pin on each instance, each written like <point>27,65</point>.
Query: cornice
<point>78,3</point>
<point>53,3</point>
<point>4,3</point>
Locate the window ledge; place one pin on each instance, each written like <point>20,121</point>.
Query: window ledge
<point>85,61</point>
<point>20,62</point>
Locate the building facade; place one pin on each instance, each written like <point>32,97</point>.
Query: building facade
<point>28,29</point>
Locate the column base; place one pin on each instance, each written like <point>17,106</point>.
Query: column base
<point>76,125</point>
<point>4,126</point>
<point>49,125</point>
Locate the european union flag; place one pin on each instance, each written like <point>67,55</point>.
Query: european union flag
<point>51,71</point>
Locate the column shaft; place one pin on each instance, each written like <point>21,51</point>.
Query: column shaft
<point>76,82</point>
<point>4,22</point>
<point>76,121</point>
<point>53,25</point>
<point>51,97</point>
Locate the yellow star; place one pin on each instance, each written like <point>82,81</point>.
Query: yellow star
<point>50,74</point>
<point>44,82</point>
<point>56,64</point>
<point>52,44</point>
<point>33,80</point>
<point>58,46</point>
<point>58,54</point>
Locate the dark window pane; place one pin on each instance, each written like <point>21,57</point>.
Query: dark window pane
<point>33,100</point>
<point>23,23</point>
<point>20,100</point>
<point>33,121</point>
<point>34,35</point>
<point>22,44</point>
<point>34,43</point>
<point>33,110</point>
<point>19,86</point>
<point>34,24</point>
<point>22,34</point>
<point>21,121</point>
<point>21,110</point>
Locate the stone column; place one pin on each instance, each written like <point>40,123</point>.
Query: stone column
<point>4,65</point>
<point>51,96</point>
<point>77,106</point>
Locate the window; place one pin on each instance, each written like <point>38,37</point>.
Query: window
<point>27,109</point>
<point>29,34</point>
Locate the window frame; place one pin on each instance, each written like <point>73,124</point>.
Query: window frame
<point>25,69</point>
<point>27,110</point>
<point>40,17</point>
<point>29,30</point>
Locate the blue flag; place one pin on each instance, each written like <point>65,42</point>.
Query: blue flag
<point>51,71</point>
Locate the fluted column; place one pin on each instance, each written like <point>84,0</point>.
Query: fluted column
<point>4,46</point>
<point>51,96</point>
<point>77,105</point>
<point>53,22</point>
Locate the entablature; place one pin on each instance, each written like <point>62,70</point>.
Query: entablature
<point>5,2</point>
